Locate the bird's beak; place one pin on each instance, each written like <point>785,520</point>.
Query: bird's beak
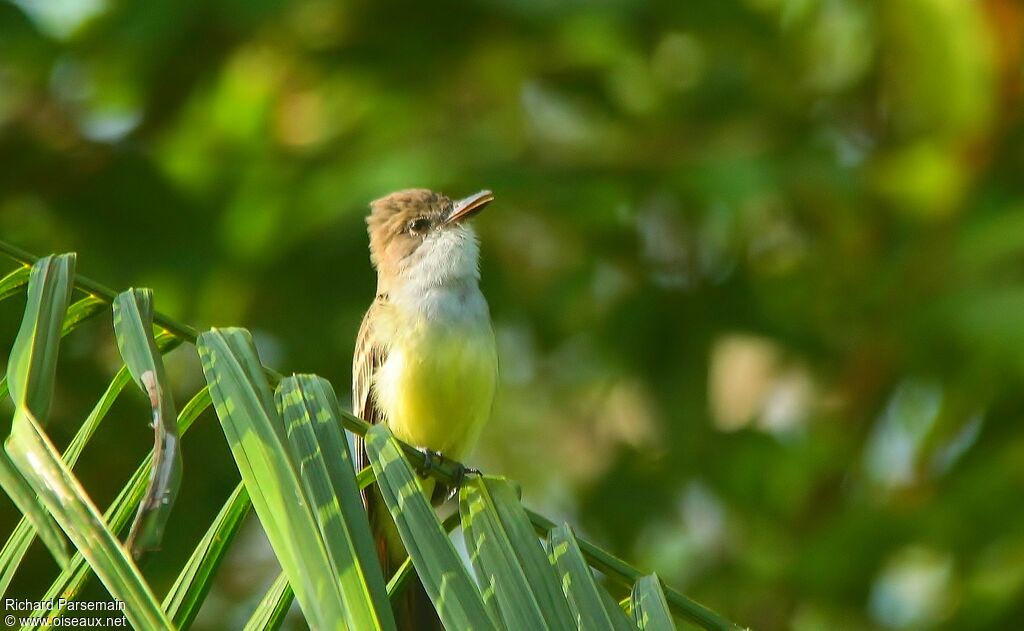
<point>469,206</point>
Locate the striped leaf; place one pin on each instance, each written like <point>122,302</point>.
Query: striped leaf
<point>650,609</point>
<point>133,328</point>
<point>508,556</point>
<point>620,571</point>
<point>259,443</point>
<point>444,577</point>
<point>310,412</point>
<point>581,590</point>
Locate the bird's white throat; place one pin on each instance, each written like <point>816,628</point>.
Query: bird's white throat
<point>441,279</point>
<point>447,255</point>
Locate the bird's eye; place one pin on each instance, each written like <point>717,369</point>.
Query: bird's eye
<point>419,226</point>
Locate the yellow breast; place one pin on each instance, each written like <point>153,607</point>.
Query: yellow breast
<point>437,384</point>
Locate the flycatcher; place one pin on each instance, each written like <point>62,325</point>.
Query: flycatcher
<point>425,361</point>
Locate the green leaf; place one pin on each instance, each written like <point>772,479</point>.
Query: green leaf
<point>185,597</point>
<point>24,533</point>
<point>32,367</point>
<point>256,434</point>
<point>310,412</point>
<point>78,313</point>
<point>617,610</point>
<point>62,494</point>
<point>508,556</point>
<point>81,311</point>
<point>31,372</point>
<point>12,283</point>
<point>444,577</point>
<point>650,609</point>
<point>619,570</point>
<point>35,515</point>
<point>270,613</point>
<point>133,327</point>
<point>401,577</point>
<point>70,582</point>
<point>581,590</point>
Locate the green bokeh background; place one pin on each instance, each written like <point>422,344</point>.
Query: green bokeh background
<point>756,266</point>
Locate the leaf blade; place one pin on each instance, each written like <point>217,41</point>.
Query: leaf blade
<point>508,555</point>
<point>133,328</point>
<point>445,579</point>
<point>581,590</point>
<point>32,366</point>
<point>36,518</point>
<point>70,581</point>
<point>31,373</point>
<point>256,435</point>
<point>186,596</point>
<point>273,607</point>
<point>310,411</point>
<point>650,609</point>
<point>62,495</point>
<point>12,283</point>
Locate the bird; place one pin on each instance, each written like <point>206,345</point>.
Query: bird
<point>425,361</point>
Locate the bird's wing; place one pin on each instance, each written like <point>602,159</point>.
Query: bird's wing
<point>369,355</point>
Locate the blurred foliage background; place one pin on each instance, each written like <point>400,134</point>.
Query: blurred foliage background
<point>756,266</point>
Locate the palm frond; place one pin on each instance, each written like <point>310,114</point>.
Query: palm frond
<point>31,374</point>
<point>294,460</point>
<point>70,581</point>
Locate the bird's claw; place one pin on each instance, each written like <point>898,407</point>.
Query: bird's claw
<point>431,460</point>
<point>435,459</point>
<point>462,473</point>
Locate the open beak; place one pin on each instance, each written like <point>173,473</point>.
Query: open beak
<point>469,206</point>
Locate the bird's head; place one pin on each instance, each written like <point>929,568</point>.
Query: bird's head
<point>420,236</point>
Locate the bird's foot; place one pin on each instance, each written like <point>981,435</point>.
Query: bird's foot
<point>433,460</point>
<point>460,477</point>
<point>462,474</point>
